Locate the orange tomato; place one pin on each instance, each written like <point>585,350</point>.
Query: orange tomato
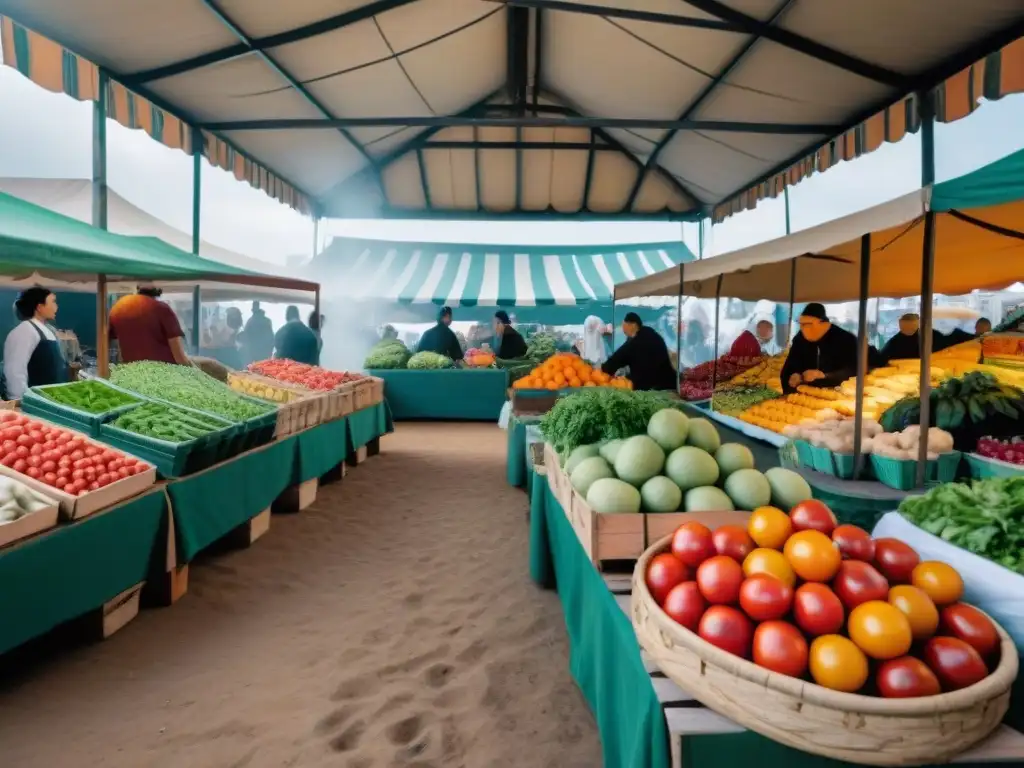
<point>813,555</point>
<point>939,581</point>
<point>919,609</point>
<point>770,562</point>
<point>837,663</point>
<point>881,630</point>
<point>769,527</point>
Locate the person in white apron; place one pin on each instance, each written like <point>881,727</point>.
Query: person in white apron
<point>32,353</point>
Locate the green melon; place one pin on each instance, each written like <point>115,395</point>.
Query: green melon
<point>708,499</point>
<point>659,494</point>
<point>639,459</point>
<point>788,488</point>
<point>733,456</point>
<point>579,454</point>
<point>690,467</point>
<point>610,450</point>
<point>748,489</point>
<point>668,427</point>
<point>609,496</point>
<point>587,471</point>
<point>702,434</point>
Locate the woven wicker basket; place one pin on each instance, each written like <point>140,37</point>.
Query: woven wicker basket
<point>800,714</point>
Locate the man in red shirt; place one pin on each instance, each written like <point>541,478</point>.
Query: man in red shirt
<point>147,329</point>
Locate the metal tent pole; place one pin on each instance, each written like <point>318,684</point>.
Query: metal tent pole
<point>927,111</point>
<point>714,366</point>
<point>679,330</point>
<point>862,350</point>
<point>197,167</point>
<point>99,219</point>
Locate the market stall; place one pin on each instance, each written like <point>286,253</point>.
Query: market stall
<point>650,697</point>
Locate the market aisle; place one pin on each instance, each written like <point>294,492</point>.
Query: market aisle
<point>391,624</point>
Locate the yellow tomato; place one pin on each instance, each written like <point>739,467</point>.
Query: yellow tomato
<point>770,562</point>
<point>939,581</point>
<point>769,527</point>
<point>836,663</point>
<point>813,555</point>
<point>881,630</point>
<point>919,609</point>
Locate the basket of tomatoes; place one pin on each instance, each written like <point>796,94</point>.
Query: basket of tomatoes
<point>822,638</point>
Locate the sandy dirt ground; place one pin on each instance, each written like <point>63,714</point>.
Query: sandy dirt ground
<point>391,624</point>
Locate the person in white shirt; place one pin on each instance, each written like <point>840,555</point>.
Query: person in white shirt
<point>765,333</point>
<point>32,353</point>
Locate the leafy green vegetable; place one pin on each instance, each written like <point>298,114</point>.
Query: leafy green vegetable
<point>985,517</point>
<point>975,396</point>
<point>388,354</point>
<point>539,348</point>
<point>600,413</point>
<point>88,396</point>
<point>188,386</point>
<point>424,361</point>
<point>165,422</point>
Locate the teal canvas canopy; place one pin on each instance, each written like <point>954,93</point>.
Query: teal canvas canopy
<point>38,245</point>
<point>997,183</point>
<point>486,276</point>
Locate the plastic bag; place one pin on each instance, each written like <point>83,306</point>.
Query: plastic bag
<point>505,415</point>
<point>994,589</point>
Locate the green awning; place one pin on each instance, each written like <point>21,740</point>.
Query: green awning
<point>994,184</point>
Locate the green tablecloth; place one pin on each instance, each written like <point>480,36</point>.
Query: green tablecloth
<point>367,424</point>
<point>518,459</point>
<point>75,568</point>
<point>457,394</point>
<point>319,450</point>
<point>604,655</point>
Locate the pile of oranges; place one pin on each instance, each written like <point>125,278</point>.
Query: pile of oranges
<point>565,370</point>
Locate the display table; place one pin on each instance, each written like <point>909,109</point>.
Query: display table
<point>646,721</point>
<point>76,567</point>
<point>459,394</point>
<point>517,460</point>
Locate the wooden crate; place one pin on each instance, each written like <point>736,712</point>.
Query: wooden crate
<point>116,612</point>
<point>298,497</point>
<point>362,395</point>
<point>335,474</point>
<point>357,457</point>
<point>660,525</point>
<point>376,390</point>
<point>373,447</point>
<point>686,718</point>
<point>170,586</point>
<point>605,537</point>
<point>250,531</point>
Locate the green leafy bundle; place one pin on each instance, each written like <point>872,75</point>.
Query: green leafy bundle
<point>737,399</point>
<point>164,422</point>
<point>974,396</point>
<point>88,396</point>
<point>985,517</point>
<point>188,386</point>
<point>387,354</point>
<point>539,348</point>
<point>427,361</point>
<point>600,413</point>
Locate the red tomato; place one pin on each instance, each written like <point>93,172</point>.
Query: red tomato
<point>20,465</point>
<point>78,485</point>
<point>63,472</point>
<point>78,474</point>
<point>77,455</point>
<point>36,450</point>
<point>692,543</point>
<point>93,486</point>
<point>685,604</point>
<point>895,560</point>
<point>857,583</point>
<point>9,460</point>
<point>103,480</point>
<point>817,610</point>
<point>954,662</point>
<point>727,628</point>
<point>34,461</point>
<point>33,472</point>
<point>21,452</point>
<point>780,647</point>
<point>733,541</point>
<point>763,597</point>
<point>48,466</point>
<point>664,572</point>
<point>8,446</point>
<point>7,415</point>
<point>719,579</point>
<point>24,440</point>
<point>905,678</point>
<point>49,478</point>
<point>92,450</point>
<point>36,435</point>
<point>854,543</point>
<point>970,625</point>
<point>812,515</point>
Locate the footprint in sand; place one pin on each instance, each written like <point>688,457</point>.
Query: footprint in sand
<point>473,652</point>
<point>413,599</point>
<point>438,675</point>
<point>354,688</point>
<point>404,731</point>
<point>333,721</point>
<point>348,739</point>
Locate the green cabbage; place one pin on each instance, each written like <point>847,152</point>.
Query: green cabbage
<point>429,361</point>
<point>387,354</point>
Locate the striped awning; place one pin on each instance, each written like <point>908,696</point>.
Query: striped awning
<point>470,275</point>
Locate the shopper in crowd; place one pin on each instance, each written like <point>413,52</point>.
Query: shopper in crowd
<point>982,326</point>
<point>822,355</point>
<point>595,332</point>
<point>765,333</point>
<point>645,354</point>
<point>509,343</point>
<point>316,324</point>
<point>32,353</point>
<point>295,341</point>
<point>146,328</point>
<point>441,338</point>
<point>257,336</point>
<point>696,349</point>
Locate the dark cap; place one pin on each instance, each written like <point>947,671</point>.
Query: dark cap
<point>445,312</point>
<point>502,315</point>
<point>632,317</point>
<point>816,310</point>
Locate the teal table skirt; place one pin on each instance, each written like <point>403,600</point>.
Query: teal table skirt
<point>517,462</point>
<point>77,567</point>
<point>604,655</point>
<point>465,394</point>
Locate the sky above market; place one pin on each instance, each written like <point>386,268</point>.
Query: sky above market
<point>49,135</point>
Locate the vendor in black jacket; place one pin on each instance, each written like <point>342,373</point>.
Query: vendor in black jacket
<point>822,354</point>
<point>441,338</point>
<point>646,356</point>
<point>906,344</point>
<point>510,343</point>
